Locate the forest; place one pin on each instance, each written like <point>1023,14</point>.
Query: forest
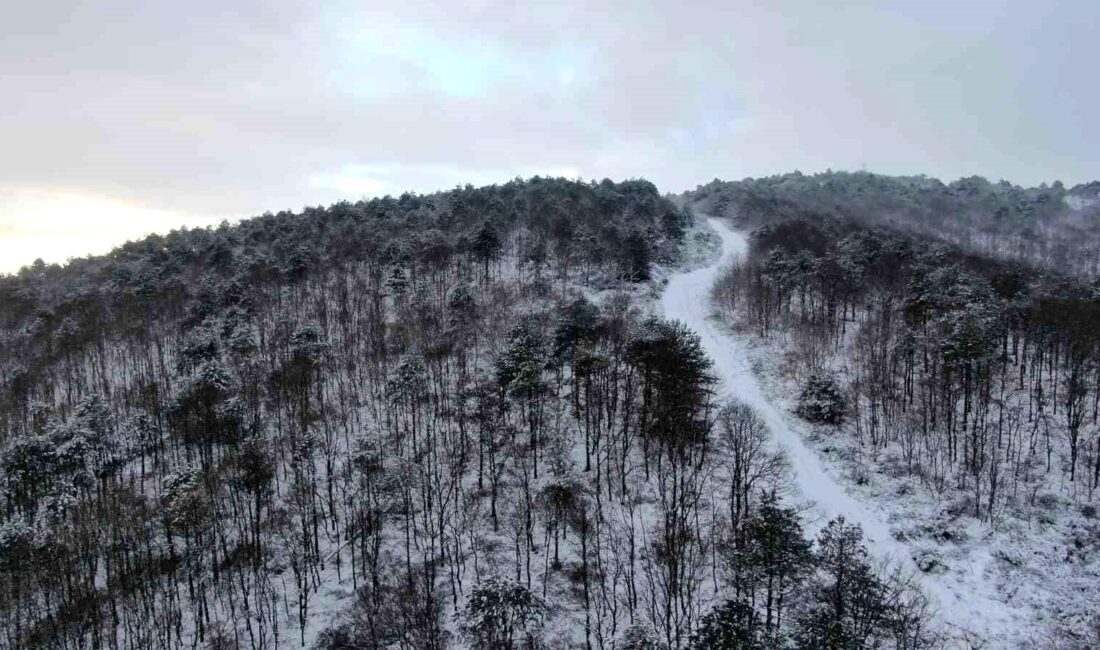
<point>975,376</point>
<point>410,400</point>
<point>978,368</point>
<point>457,419</point>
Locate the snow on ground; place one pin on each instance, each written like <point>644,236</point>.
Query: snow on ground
<point>966,599</point>
<point>330,604</point>
<point>981,575</point>
<point>1040,554</point>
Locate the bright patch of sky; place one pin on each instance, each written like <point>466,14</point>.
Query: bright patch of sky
<point>360,181</point>
<point>73,224</point>
<point>384,61</point>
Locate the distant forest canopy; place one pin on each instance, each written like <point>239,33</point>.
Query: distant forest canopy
<point>49,311</point>
<point>1051,226</point>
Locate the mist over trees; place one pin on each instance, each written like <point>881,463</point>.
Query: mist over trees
<point>1049,226</point>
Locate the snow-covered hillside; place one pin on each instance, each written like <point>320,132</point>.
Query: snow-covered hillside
<point>966,599</point>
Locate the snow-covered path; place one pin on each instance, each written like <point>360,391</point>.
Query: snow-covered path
<point>965,601</point>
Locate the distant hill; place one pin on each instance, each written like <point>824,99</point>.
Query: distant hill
<point>1048,225</point>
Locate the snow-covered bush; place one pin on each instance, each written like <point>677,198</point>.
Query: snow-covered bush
<point>822,401</point>
<point>639,637</point>
<point>500,613</point>
<point>16,543</point>
<point>187,507</point>
<point>732,624</point>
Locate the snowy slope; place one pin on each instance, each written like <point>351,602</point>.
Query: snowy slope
<point>966,601</point>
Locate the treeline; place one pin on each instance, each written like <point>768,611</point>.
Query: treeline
<point>52,315</point>
<point>1050,226</point>
<point>977,375</point>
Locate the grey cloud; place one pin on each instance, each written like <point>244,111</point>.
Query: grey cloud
<point>205,109</point>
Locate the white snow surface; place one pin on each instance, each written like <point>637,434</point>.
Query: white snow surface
<point>966,601</point>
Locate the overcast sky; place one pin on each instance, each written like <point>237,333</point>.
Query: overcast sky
<point>122,117</point>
